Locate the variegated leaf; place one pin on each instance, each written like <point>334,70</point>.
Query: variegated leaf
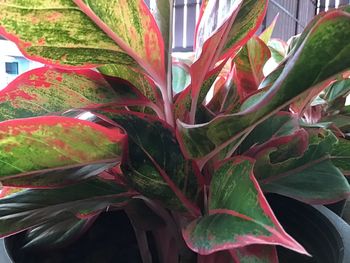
<point>69,144</point>
<point>131,25</point>
<point>239,214</point>
<point>57,32</point>
<point>48,90</point>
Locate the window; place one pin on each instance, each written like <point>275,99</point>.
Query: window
<point>11,68</point>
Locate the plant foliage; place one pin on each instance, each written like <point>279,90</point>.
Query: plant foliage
<point>112,122</point>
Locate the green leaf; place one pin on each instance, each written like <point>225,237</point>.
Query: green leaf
<point>340,155</point>
<point>276,131</point>
<point>339,89</point>
<point>278,49</point>
<point>310,178</point>
<point>249,64</point>
<point>66,143</point>
<point>181,77</point>
<point>247,22</point>
<point>255,254</point>
<point>32,208</point>
<point>336,96</point>
<point>133,28</point>
<point>48,90</point>
<point>239,214</point>
<point>58,33</point>
<point>184,101</point>
<point>57,231</point>
<point>215,20</point>
<point>155,165</point>
<point>267,33</point>
<point>138,79</point>
<point>324,54</point>
<point>161,13</point>
<point>61,176</point>
<point>341,121</point>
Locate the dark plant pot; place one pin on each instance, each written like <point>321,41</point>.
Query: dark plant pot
<point>111,239</point>
<point>337,207</point>
<point>322,233</point>
<point>4,256</point>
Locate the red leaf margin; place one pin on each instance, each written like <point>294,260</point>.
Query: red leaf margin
<point>278,237</point>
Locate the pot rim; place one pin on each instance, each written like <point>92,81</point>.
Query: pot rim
<point>342,227</point>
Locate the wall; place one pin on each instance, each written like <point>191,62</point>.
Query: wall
<point>10,53</point>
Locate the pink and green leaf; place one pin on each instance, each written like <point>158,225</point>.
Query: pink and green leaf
<point>249,64</point>
<point>278,130</point>
<point>303,104</point>
<point>255,254</point>
<point>133,28</point>
<point>7,191</point>
<point>340,155</point>
<point>138,79</point>
<point>236,23</point>
<point>48,90</point>
<point>211,31</point>
<point>27,209</point>
<point>58,33</point>
<point>154,164</point>
<point>225,96</point>
<point>161,13</point>
<point>247,22</point>
<point>184,101</point>
<point>336,96</point>
<point>278,49</point>
<point>66,143</point>
<point>267,33</point>
<point>304,177</point>
<point>299,76</point>
<point>239,214</point>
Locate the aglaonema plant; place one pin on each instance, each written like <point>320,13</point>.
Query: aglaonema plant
<point>99,127</point>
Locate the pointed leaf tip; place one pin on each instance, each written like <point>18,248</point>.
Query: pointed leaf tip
<point>238,216</point>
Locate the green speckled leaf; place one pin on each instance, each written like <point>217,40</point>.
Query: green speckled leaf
<point>239,214</point>
<point>247,22</point>
<point>56,32</point>
<point>48,90</point>
<point>32,208</point>
<point>131,25</point>
<point>62,141</point>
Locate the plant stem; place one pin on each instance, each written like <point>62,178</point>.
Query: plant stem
<point>168,108</point>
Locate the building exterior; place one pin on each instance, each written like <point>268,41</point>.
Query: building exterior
<point>12,62</point>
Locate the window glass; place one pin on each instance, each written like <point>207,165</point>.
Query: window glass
<point>11,68</point>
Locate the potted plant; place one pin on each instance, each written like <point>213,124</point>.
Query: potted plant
<point>100,128</point>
